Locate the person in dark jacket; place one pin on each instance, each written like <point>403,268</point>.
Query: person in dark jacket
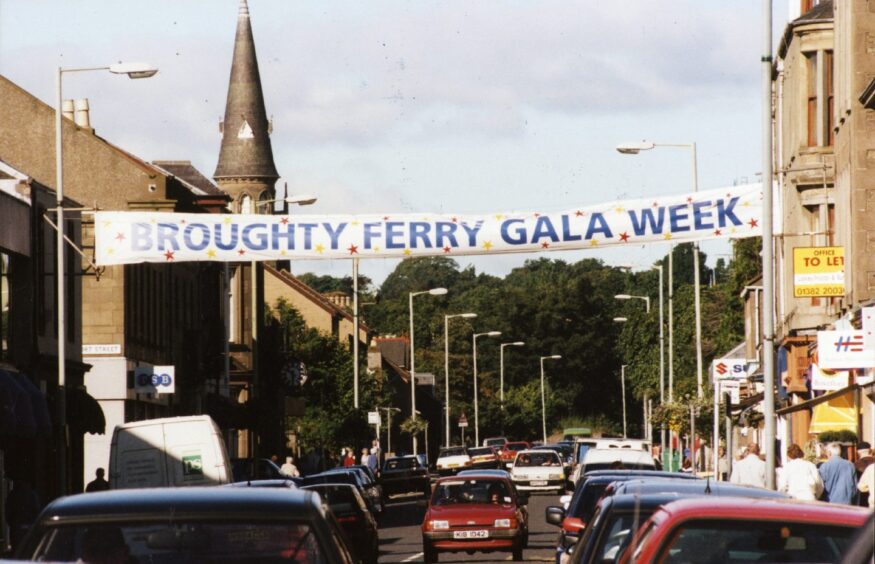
<point>98,484</point>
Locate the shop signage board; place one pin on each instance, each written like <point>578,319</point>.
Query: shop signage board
<point>825,380</point>
<point>155,380</point>
<point>818,272</point>
<point>732,387</point>
<point>728,369</point>
<point>844,350</point>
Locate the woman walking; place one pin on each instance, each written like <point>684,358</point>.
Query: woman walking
<point>800,478</point>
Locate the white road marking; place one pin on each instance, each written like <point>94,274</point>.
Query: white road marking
<point>414,557</point>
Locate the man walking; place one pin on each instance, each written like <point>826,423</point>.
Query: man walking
<point>750,470</point>
<point>99,483</point>
<point>839,477</point>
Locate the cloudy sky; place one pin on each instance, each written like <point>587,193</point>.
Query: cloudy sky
<point>426,106</point>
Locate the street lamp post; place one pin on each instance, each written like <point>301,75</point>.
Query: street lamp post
<point>433,292</point>
<point>501,377</point>
<point>543,396</point>
<point>476,415</point>
<point>634,149</point>
<point>447,367</point>
<point>661,355</point>
<point>133,70</point>
<point>623,394</point>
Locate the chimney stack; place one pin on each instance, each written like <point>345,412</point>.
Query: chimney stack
<point>67,109</point>
<point>82,118</point>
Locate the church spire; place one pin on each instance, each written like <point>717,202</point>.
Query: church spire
<point>246,158</point>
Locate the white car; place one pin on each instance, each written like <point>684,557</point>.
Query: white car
<point>538,470</point>
<point>451,460</point>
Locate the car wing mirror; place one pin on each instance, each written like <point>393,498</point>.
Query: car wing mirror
<point>554,515</point>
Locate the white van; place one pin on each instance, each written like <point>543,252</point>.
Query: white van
<point>583,445</point>
<point>174,451</point>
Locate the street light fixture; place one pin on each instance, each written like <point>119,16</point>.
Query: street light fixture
<point>634,149</point>
<point>476,415</point>
<point>630,297</point>
<point>501,377</point>
<point>621,319</point>
<point>447,366</point>
<point>133,70</point>
<point>543,400</point>
<point>433,292</point>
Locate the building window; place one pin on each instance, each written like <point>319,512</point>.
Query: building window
<point>819,99</point>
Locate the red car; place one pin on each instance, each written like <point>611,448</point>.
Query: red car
<point>752,530</point>
<point>508,453</point>
<point>479,512</point>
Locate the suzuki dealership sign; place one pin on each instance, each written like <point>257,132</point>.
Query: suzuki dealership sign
<point>818,272</point>
<point>728,369</point>
<point>134,237</point>
<point>844,350</point>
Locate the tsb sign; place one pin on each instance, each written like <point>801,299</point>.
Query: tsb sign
<point>154,380</point>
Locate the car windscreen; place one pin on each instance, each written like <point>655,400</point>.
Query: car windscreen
<point>583,504</point>
<point>756,541</point>
<point>401,464</point>
<point>495,442</point>
<point>458,492</point>
<point>617,466</point>
<point>483,451</point>
<point>537,458</point>
<point>456,451</point>
<point>516,447</point>
<point>617,534</point>
<point>181,541</point>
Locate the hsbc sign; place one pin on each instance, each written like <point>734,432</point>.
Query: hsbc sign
<point>729,369</point>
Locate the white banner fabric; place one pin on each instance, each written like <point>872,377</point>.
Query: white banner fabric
<point>134,237</point>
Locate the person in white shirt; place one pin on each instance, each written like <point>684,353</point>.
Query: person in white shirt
<point>289,468</point>
<point>800,478</point>
<point>867,484</point>
<point>750,470</point>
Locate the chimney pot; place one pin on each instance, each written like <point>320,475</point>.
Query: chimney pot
<point>67,109</point>
<point>83,120</point>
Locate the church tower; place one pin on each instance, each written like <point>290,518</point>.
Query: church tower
<point>245,170</point>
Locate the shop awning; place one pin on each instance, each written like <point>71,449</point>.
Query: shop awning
<point>23,409</point>
<point>84,413</point>
<point>834,414</point>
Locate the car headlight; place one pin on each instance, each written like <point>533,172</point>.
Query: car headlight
<point>555,476</point>
<point>440,525</point>
<point>502,523</point>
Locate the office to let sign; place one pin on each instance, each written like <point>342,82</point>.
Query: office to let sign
<point>818,272</point>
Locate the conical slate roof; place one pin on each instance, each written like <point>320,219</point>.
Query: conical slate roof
<point>246,151</point>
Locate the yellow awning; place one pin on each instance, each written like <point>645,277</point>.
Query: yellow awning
<point>834,414</point>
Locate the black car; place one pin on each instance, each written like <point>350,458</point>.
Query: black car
<point>371,490</point>
<point>352,514</point>
<point>291,483</point>
<point>187,525</point>
<point>244,469</point>
<point>345,476</point>
<point>405,474</point>
<point>618,516</point>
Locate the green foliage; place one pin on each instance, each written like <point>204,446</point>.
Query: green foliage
<point>413,427</point>
<point>324,284</point>
<point>837,436</point>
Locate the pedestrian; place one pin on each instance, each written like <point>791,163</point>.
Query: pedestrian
<point>866,485</point>
<point>289,468</point>
<point>839,477</point>
<point>750,470</point>
<point>22,509</point>
<point>365,455</point>
<point>740,454</point>
<point>864,460</point>
<point>375,445</point>
<point>722,464</point>
<point>372,460</point>
<point>800,478</point>
<point>98,484</point>
<point>350,458</point>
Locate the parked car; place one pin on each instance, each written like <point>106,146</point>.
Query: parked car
<point>482,513</point>
<point>186,525</point>
<point>372,491</point>
<point>354,517</point>
<point>352,477</point>
<point>495,442</point>
<point>508,453</point>
<point>538,470</point>
<point>618,516</point>
<point>244,469</point>
<point>484,458</point>
<point>452,459</point>
<point>752,530</point>
<point>290,483</point>
<point>405,474</point>
<point>582,446</point>
<point>612,458</point>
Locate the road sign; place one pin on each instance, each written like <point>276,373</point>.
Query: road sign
<point>818,272</point>
<point>424,379</point>
<point>373,418</point>
<point>463,421</point>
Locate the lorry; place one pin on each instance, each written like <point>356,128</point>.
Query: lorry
<point>168,452</point>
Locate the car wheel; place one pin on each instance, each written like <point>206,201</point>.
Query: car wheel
<point>429,554</point>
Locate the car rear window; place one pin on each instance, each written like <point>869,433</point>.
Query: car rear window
<point>756,541</point>
<point>614,466</point>
<point>480,451</point>
<point>401,464</point>
<point>457,451</point>
<point>181,542</point>
<point>457,492</point>
<point>516,446</point>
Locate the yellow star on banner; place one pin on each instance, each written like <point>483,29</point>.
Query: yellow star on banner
<point>211,253</point>
<point>110,251</point>
<point>487,245</point>
<point>407,252</point>
<point>619,209</point>
<point>226,220</point>
<point>593,242</point>
<point>733,230</point>
<point>153,221</point>
<point>499,217</point>
<point>107,223</point>
<point>376,249</point>
<point>283,253</point>
<point>667,236</point>
<point>320,248</point>
<point>353,222</point>
<point>745,204</point>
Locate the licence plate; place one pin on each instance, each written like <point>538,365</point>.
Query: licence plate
<point>482,534</point>
<point>539,482</point>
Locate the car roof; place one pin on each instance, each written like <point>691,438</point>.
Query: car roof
<point>201,502</point>
<point>473,476</point>
<point>485,472</point>
<point>598,455</point>
<point>783,510</point>
<point>695,487</point>
<point>536,451</point>
<point>639,472</point>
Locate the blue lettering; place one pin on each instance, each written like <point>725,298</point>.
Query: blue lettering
<point>141,237</point>
<point>700,214</point>
<point>566,230</point>
<point>167,233</point>
<point>597,224</point>
<point>334,233</point>
<point>308,234</point>
<point>724,213</point>
<point>217,229</point>
<point>371,233</point>
<point>472,232</point>
<point>419,232</point>
<point>677,214</point>
<point>204,238</point>
<point>394,235</point>
<point>544,228</point>
<point>259,243</point>
<point>518,237</point>
<point>288,234</point>
<point>639,225</point>
<point>445,230</point>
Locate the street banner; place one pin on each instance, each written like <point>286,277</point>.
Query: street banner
<point>818,272</point>
<point>134,237</point>
<point>825,380</point>
<point>844,349</point>
<point>728,369</point>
